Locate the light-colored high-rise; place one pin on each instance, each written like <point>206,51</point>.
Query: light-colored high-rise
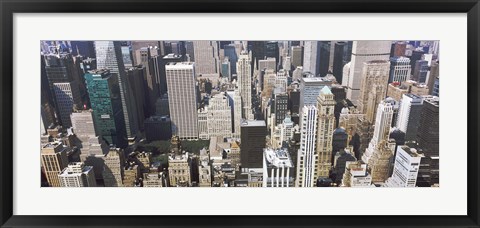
<point>307,157</point>
<point>311,56</point>
<point>267,64</point>
<point>236,104</point>
<point>281,79</point>
<point>206,56</point>
<point>364,51</point>
<point>356,175</point>
<point>244,75</point>
<point>219,117</point>
<point>373,87</point>
<point>77,175</point>
<point>409,115</point>
<point>326,124</point>
<point>276,168</point>
<point>113,169</point>
<point>380,149</point>
<point>405,169</point>
<point>54,160</point>
<point>182,99</point>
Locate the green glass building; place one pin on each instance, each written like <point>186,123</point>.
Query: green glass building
<point>106,104</point>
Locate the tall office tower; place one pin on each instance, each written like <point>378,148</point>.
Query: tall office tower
<point>162,79</point>
<point>380,149</point>
<point>126,54</point>
<point>182,99</point>
<point>231,53</point>
<point>272,51</point>
<point>420,71</point>
<point>137,45</point>
<point>244,75</point>
<point>311,57</point>
<point>77,175</point>
<point>416,55</point>
<point>356,175</point>
<point>436,87</point>
<point>253,134</point>
<point>326,124</point>
<point>400,69</point>
<point>287,63</point>
<point>297,56</point>
<point>202,116</point>
<point>398,49</point>
<point>226,69</point>
<point>219,117</point>
<point>107,107</point>
<point>324,55</point>
<point>307,157</point>
<point>152,86</point>
<point>405,169</point>
<point>54,160</point>
<point>346,74</point>
<point>109,57</point>
<point>409,115</point>
<point>68,98</point>
<point>179,170</point>
<point>428,133</point>
<point>113,170</point>
<point>236,104</point>
<point>297,73</point>
<point>258,51</point>
<point>267,64</point>
<point>434,73</point>
<point>310,89</point>
<point>281,105</point>
<point>364,51</point>
<point>338,60</point>
<point>373,87</point>
<point>281,79</point>
<point>60,68</point>
<point>136,80</point>
<point>189,49</point>
<point>276,168</point>
<point>206,56</point>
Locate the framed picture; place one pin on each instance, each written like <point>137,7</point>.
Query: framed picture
<point>240,113</point>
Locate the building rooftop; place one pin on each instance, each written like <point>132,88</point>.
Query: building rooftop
<point>277,157</point>
<point>253,123</point>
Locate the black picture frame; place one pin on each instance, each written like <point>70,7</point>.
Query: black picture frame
<point>9,7</point>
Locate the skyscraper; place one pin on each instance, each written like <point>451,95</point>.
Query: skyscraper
<point>311,57</point>
<point>364,51</point>
<point>113,171</point>
<point>310,89</point>
<point>400,69</point>
<point>326,125</point>
<point>219,117</point>
<point>68,98</point>
<point>380,149</point>
<point>324,58</point>
<point>253,134</point>
<point>231,53</point>
<point>338,60</point>
<point>307,157</point>
<point>77,175</point>
<point>109,56</point>
<point>405,169</point>
<point>420,71</point>
<point>297,56</point>
<point>182,99</point>
<point>373,87</point>
<point>206,56</point>
<point>103,90</point>
<point>409,115</point>
<point>54,160</point>
<point>244,75</point>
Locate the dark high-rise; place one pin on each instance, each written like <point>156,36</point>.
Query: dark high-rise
<point>324,57</point>
<point>253,133</point>
<point>107,106</point>
<point>338,60</point>
<point>420,71</point>
<point>281,105</point>
<point>230,51</point>
<point>416,55</point>
<point>271,50</point>
<point>258,51</point>
<point>428,136</point>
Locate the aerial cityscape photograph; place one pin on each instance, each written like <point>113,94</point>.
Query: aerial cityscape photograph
<point>249,113</point>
